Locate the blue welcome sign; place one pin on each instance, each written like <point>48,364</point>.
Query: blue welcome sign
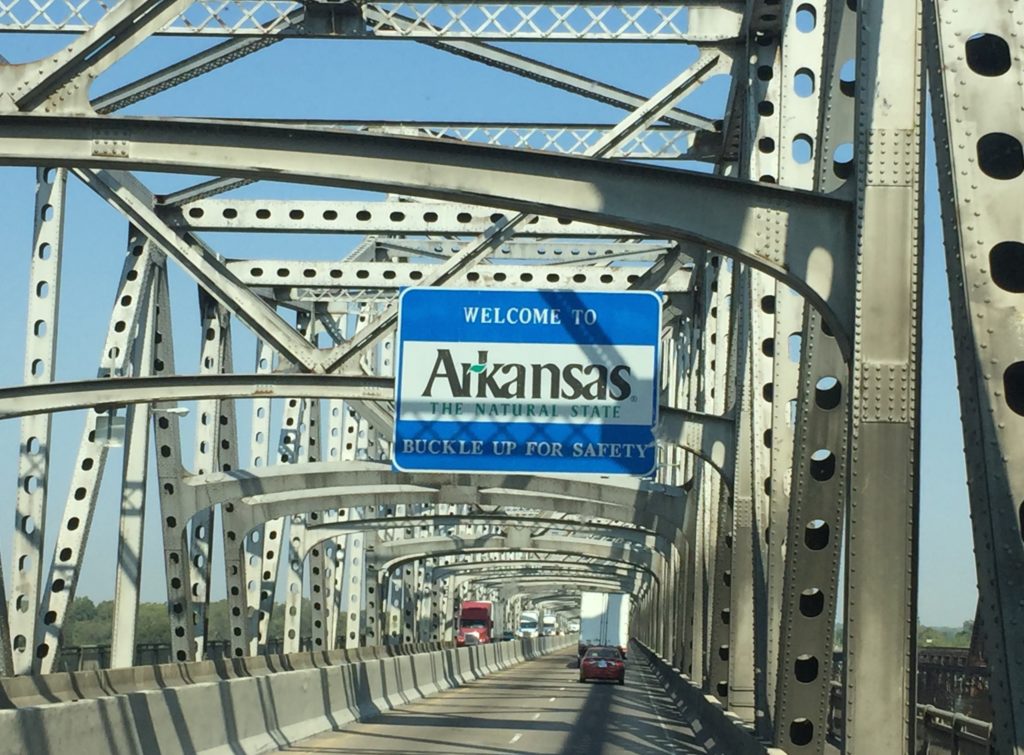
<point>527,381</point>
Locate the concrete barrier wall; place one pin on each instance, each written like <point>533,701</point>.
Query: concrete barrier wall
<point>728,730</point>
<point>200,708</point>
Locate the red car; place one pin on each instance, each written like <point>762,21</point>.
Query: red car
<point>603,662</point>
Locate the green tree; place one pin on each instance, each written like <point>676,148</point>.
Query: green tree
<point>153,625</point>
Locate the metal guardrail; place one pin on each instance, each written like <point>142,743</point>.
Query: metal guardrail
<point>91,657</point>
<point>939,732</point>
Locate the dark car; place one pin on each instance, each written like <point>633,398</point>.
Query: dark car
<point>603,663</point>
<point>508,636</point>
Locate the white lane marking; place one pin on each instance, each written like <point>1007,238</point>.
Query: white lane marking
<point>515,739</point>
<point>551,699</point>
<point>536,716</point>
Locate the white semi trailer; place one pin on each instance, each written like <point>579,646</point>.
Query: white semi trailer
<point>604,620</point>
<point>529,625</point>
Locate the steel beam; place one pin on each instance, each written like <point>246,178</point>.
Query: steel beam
<point>881,547</point>
<point>708,211</point>
<point>90,460</point>
<point>34,449</point>
<point>128,577</point>
<point>974,62</point>
<point>458,266</point>
<point>108,393</point>
<point>132,199</point>
<point>652,21</point>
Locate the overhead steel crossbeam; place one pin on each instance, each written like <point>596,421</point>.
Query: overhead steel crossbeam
<point>192,67</point>
<point>526,566</point>
<point>661,143</point>
<point>527,583</point>
<point>707,142</point>
<point>661,203</point>
<point>133,200</point>
<point>676,21</point>
<point>564,252</point>
<point>503,570</point>
<point>390,217</point>
<point>544,73</point>
<point>119,30</point>
<point>388,555</point>
<point>700,434</point>
<point>334,529</point>
<point>395,556</point>
<point>276,491</point>
<point>481,247</point>
<point>515,532</point>
<point>662,516</point>
<point>208,489</point>
<point>115,392</point>
<point>539,586</point>
<point>388,276</point>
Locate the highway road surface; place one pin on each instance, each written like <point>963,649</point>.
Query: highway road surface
<point>536,708</point>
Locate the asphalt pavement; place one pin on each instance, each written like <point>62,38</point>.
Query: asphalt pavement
<point>536,708</point>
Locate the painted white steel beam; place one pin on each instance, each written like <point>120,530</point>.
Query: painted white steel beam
<point>809,253</point>
<point>113,392</point>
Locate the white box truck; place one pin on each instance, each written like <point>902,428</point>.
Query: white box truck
<point>529,628</point>
<point>604,620</point>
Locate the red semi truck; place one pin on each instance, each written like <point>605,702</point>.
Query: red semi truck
<point>475,623</point>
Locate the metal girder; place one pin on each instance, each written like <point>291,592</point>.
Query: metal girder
<point>523,566</point>
<point>185,70</point>
<point>973,55</point>
<point>742,697</point>
<point>138,270</point>
<point>573,574</point>
<point>804,600</point>
<point>34,449</point>
<point>170,471</point>
<point>543,584</point>
<point>652,21</point>
<point>332,529</point>
<point>560,78</point>
<point>458,266</point>
<point>128,577</point>
<point>661,516</point>
<point>611,561</point>
<point>882,543</point>
<point>388,555</point>
<point>132,199</point>
<point>60,83</point>
<point>811,255</point>
<point>707,436</point>
<point>361,478</point>
<point>662,143</point>
<point>408,20</point>
<point>515,529</point>
<point>121,391</point>
<point>568,252</point>
<point>347,216</point>
<point>390,276</point>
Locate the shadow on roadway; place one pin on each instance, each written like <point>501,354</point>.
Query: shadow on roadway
<point>637,719</point>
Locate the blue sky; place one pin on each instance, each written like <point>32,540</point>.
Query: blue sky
<point>390,80</point>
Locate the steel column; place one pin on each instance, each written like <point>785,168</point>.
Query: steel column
<point>882,534</point>
<point>974,71</point>
<point>34,457</point>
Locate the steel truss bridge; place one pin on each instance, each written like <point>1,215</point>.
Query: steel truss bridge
<point>785,233</point>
